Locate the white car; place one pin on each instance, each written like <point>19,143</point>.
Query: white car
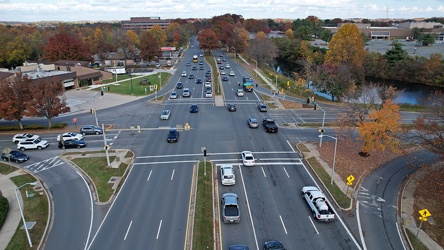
<point>186,92</point>
<point>23,137</point>
<point>184,74</point>
<point>240,92</point>
<point>165,115</point>
<point>227,66</point>
<point>70,136</point>
<point>222,72</point>
<point>231,73</point>
<point>32,144</point>
<point>207,84</point>
<point>208,94</point>
<point>247,158</point>
<point>173,95</point>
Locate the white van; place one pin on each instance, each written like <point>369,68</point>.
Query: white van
<point>227,176</point>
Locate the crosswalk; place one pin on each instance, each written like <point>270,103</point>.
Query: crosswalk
<point>45,164</point>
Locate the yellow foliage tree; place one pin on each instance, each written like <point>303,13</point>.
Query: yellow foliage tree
<point>261,36</point>
<point>346,47</point>
<point>289,34</point>
<point>379,132</point>
<point>159,34</point>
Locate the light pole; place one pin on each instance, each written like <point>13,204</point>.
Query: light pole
<point>322,128</point>
<point>21,211</point>
<point>334,155</point>
<point>94,107</point>
<point>131,76</point>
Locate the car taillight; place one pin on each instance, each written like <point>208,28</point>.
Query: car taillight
<point>225,218</point>
<point>319,216</point>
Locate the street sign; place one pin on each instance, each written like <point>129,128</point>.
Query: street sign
<point>349,183</point>
<point>350,178</point>
<point>424,213</point>
<point>7,150</point>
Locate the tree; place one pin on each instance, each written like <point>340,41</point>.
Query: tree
<point>159,34</point>
<point>429,129</point>
<point>18,52</point>
<point>240,40</point>
<point>326,35</point>
<point>46,100</point>
<point>65,46</point>
<point>262,50</point>
<point>14,98</point>
<point>101,45</point>
<point>289,34</point>
<point>346,47</point>
<point>208,40</point>
<point>428,39</point>
<point>396,53</point>
<point>381,130</point>
<point>336,81</point>
<point>149,47</point>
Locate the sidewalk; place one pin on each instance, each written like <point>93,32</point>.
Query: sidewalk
<point>14,217</point>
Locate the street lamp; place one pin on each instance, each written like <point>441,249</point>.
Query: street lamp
<point>322,128</point>
<point>334,155</point>
<point>94,107</point>
<point>131,76</point>
<point>21,211</point>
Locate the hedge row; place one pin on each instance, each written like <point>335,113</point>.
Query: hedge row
<point>4,208</point>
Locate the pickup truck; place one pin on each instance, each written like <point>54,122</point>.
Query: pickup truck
<point>230,208</point>
<point>270,126</point>
<point>318,204</point>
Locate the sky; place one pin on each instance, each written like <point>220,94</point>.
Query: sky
<point>116,10</point>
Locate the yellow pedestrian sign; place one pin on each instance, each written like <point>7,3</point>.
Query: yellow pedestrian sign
<point>350,178</point>
<point>425,213</point>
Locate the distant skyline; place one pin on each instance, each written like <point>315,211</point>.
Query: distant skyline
<point>109,10</point>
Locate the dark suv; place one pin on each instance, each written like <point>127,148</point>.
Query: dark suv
<point>231,107</point>
<point>173,136</point>
<point>91,130</point>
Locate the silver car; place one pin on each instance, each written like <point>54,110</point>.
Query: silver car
<point>165,115</point>
<point>252,122</point>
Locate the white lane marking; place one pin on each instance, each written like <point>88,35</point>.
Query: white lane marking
<point>358,219</point>
<point>149,176</point>
<point>210,154</point>
<point>285,170</point>
<point>127,231</point>
<point>263,172</point>
<point>92,209</point>
<point>313,224</point>
<point>158,230</point>
<point>172,174</point>
<point>400,236</point>
<point>248,207</point>
<point>283,224</point>
<point>164,162</point>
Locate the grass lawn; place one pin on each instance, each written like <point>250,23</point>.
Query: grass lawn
<point>417,245</point>
<point>6,169</point>
<point>338,195</point>
<point>97,170</point>
<point>203,221</point>
<point>35,210</point>
<point>124,87</point>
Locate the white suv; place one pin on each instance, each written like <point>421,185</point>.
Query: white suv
<point>32,144</point>
<point>23,137</point>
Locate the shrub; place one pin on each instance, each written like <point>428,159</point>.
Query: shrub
<point>4,208</point>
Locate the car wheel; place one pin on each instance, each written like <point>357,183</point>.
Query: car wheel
<point>39,148</point>
<point>83,133</point>
<point>4,159</point>
<point>22,149</point>
<point>17,161</point>
<point>97,132</point>
<point>78,146</point>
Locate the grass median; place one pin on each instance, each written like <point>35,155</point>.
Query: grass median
<point>203,237</point>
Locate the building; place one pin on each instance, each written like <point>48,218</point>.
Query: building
<point>137,24</point>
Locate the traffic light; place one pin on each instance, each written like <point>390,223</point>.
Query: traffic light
<point>321,130</point>
<point>205,152</point>
<point>101,92</point>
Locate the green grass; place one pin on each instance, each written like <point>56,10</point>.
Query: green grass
<point>342,200</point>
<point>203,221</point>
<point>97,170</point>
<point>214,76</point>
<point>417,245</point>
<point>303,148</point>
<point>35,209</point>
<point>6,169</point>
<point>138,89</point>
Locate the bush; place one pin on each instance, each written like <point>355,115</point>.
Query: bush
<point>4,208</point>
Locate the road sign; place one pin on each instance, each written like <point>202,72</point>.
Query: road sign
<point>423,218</point>
<point>350,178</point>
<point>349,183</point>
<point>424,213</point>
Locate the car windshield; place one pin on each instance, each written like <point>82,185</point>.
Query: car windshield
<point>164,112</point>
<point>37,140</point>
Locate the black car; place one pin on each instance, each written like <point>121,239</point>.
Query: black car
<point>72,144</point>
<point>262,107</point>
<point>200,63</point>
<point>194,68</point>
<point>194,108</point>
<point>221,67</point>
<point>201,68</point>
<point>198,81</point>
<point>190,76</point>
<point>16,156</point>
<point>273,245</point>
<point>91,130</point>
<point>224,78</point>
<point>179,85</point>
<point>208,74</point>
<point>173,136</point>
<point>238,247</point>
<point>231,107</point>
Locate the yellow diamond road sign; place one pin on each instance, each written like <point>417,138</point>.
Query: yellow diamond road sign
<point>425,213</point>
<point>350,178</point>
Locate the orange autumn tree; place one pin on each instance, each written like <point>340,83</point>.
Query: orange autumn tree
<point>380,131</point>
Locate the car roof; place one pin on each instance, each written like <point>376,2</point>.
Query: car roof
<point>247,153</point>
<point>252,119</point>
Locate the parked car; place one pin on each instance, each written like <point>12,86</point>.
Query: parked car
<point>173,95</point>
<point>91,130</point>
<point>252,123</point>
<point>262,107</point>
<point>15,156</point>
<point>69,136</point>
<point>165,115</point>
<point>247,158</point>
<point>273,245</point>
<point>194,108</point>
<point>173,135</point>
<point>32,144</point>
<point>72,144</point>
<point>231,107</point>
<point>23,137</point>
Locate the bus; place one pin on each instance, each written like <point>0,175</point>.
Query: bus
<point>195,59</point>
